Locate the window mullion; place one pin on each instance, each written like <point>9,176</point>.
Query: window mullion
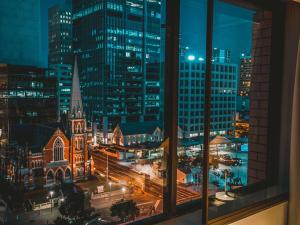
<point>171,103</point>
<point>207,112</point>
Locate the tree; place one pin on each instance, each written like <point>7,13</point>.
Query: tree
<point>72,208</point>
<point>73,205</point>
<point>125,210</point>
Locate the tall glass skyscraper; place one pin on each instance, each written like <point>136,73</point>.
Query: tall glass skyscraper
<point>118,46</point>
<point>60,57</point>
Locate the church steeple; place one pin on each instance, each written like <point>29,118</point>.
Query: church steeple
<point>76,109</point>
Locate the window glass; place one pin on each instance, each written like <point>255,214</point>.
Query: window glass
<point>190,105</point>
<point>239,135</point>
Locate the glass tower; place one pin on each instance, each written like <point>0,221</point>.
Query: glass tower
<point>60,51</point>
<point>118,48</point>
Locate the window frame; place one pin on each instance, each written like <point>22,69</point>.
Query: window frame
<point>170,209</point>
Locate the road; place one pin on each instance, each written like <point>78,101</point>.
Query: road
<point>125,174</point>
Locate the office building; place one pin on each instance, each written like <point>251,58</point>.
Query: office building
<point>221,55</point>
<point>27,96</point>
<point>60,51</point>
<point>192,93</point>
<point>118,48</point>
<point>245,74</point>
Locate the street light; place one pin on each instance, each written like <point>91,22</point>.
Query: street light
<point>106,166</point>
<point>51,195</point>
<point>110,188</point>
<point>123,190</point>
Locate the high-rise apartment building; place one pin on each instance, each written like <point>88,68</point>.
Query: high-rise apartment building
<point>221,55</point>
<point>20,32</point>
<point>245,74</point>
<point>118,43</point>
<point>60,55</point>
<point>192,93</point>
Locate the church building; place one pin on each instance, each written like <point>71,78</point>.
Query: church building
<point>57,152</point>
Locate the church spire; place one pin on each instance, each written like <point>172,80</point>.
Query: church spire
<point>76,109</point>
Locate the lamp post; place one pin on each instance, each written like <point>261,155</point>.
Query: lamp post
<point>110,188</point>
<point>51,195</point>
<point>106,166</point>
<point>62,201</point>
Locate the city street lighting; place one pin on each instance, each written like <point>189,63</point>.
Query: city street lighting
<point>123,190</point>
<point>51,195</point>
<point>106,166</point>
<point>110,188</point>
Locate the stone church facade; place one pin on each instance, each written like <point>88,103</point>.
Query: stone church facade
<point>58,152</point>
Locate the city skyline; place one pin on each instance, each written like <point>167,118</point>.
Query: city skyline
<point>192,10</point>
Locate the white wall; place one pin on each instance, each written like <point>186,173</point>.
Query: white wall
<point>276,215</point>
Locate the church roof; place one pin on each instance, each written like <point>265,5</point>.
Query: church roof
<point>76,108</point>
<point>34,136</point>
<point>133,128</point>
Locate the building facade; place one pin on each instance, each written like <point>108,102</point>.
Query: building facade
<point>25,93</point>
<point>118,44</point>
<point>243,99</point>
<point>221,55</point>
<point>245,74</point>
<point>127,134</point>
<point>60,55</point>
<point>192,93</point>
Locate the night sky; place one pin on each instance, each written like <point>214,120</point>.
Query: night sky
<point>232,27</point>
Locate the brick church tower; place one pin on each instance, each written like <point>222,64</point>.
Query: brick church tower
<point>77,132</point>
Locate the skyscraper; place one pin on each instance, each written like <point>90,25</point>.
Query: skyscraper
<point>20,32</point>
<point>191,98</point>
<point>243,99</point>
<point>60,51</point>
<point>118,48</point>
<point>221,55</point>
<point>245,74</point>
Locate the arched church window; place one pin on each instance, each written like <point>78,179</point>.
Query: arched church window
<point>58,150</point>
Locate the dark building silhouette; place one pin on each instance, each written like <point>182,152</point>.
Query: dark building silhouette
<point>27,96</point>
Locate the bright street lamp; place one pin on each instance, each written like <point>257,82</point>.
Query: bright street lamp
<point>109,187</point>
<point>51,201</point>
<point>123,190</point>
<point>191,57</point>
